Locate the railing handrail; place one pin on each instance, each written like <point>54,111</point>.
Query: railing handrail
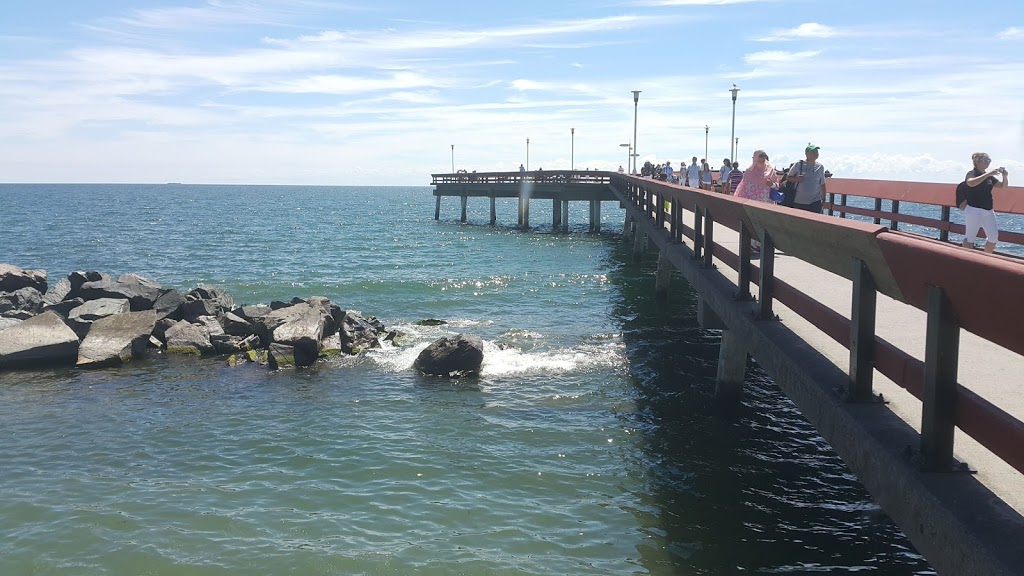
<point>905,267</point>
<point>1009,200</point>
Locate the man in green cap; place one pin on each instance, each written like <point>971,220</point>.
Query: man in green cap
<point>809,176</point>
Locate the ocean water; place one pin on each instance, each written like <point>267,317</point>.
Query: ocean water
<point>587,445</point>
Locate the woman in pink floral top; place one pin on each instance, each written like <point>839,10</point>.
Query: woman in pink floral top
<point>758,179</point>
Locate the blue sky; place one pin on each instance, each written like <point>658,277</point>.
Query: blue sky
<point>377,91</point>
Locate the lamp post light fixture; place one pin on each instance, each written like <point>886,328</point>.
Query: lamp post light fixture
<point>636,99</point>
<point>527,154</point>
<point>572,149</point>
<point>629,153</point>
<point>706,128</point>
<point>453,158</point>
<point>732,136</point>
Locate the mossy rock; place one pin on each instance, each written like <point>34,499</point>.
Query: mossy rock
<point>184,350</point>
<point>430,322</point>
<point>331,353</point>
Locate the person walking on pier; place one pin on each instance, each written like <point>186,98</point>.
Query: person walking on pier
<point>705,174</point>
<point>809,176</point>
<point>757,179</point>
<point>735,177</point>
<point>723,173</point>
<point>978,214</point>
<point>693,174</point>
<point>669,173</point>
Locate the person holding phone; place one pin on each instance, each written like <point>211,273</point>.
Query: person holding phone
<point>979,214</point>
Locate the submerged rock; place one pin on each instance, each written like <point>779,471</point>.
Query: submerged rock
<point>453,356</point>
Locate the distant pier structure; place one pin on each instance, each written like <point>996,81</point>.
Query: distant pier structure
<point>560,187</point>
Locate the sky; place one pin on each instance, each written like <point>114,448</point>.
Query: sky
<point>388,92</point>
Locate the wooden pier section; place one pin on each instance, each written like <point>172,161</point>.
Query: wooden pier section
<point>905,352</point>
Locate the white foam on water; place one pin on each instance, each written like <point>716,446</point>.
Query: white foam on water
<point>503,361</point>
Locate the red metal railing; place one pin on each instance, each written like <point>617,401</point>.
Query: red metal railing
<point>908,268</point>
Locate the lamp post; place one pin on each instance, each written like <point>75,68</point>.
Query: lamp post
<point>453,158</point>
<point>737,148</point>
<point>572,149</point>
<point>636,98</point>
<point>629,153</point>
<point>732,136</point>
<point>706,142</point>
<point>527,154</point>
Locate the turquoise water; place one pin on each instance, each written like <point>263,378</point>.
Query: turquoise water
<point>587,446</point>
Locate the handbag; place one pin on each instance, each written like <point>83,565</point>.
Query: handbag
<point>776,195</point>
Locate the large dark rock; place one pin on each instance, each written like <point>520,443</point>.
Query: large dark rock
<point>64,307</point>
<point>82,317</point>
<point>57,293</point>
<point>300,326</point>
<point>169,304</point>
<point>41,340</point>
<point>186,338</point>
<point>236,325</point>
<point>452,356</point>
<point>358,333</point>
<point>140,292</point>
<point>22,303</point>
<point>284,356</point>
<point>13,278</point>
<point>79,278</point>
<point>222,301</point>
<point>115,339</point>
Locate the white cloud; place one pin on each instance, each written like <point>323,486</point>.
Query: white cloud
<point>806,30</point>
<point>772,57</point>
<point>1012,33</point>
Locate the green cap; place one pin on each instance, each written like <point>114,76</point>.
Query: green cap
<point>812,148</point>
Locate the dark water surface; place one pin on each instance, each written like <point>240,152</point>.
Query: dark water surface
<point>587,446</point>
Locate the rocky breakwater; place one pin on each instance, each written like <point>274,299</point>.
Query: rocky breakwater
<point>91,319</point>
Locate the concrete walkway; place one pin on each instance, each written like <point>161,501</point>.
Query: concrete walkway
<point>987,369</point>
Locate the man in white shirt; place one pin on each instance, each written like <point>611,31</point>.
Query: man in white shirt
<point>669,173</point>
<point>693,174</point>
<point>723,173</point>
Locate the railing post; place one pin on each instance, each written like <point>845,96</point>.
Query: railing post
<point>660,210</point>
<point>677,220</point>
<point>698,236</point>
<point>709,239</point>
<point>744,280</point>
<point>831,202</point>
<point>767,285</point>
<point>944,234</point>
<point>862,334</point>
<point>942,349</point>
<point>842,202</point>
<point>894,224</point>
<point>878,208</point>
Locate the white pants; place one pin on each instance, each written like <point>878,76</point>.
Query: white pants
<point>980,219</point>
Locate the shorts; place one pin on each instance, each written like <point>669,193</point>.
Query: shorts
<point>980,219</point>
<point>812,207</point>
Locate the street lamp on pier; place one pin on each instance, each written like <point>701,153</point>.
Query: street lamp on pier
<point>572,149</point>
<point>732,136</point>
<point>636,99</point>
<point>629,153</point>
<point>527,154</point>
<point>453,158</point>
<point>706,128</point>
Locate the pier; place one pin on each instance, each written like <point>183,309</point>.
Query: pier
<point>904,351</point>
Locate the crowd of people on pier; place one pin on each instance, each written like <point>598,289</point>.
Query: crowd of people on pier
<point>801,186</point>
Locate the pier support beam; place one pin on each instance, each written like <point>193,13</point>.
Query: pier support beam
<point>663,277</point>
<point>565,215</point>
<point>595,215</point>
<point>732,367</point>
<point>494,212</point>
<point>524,212</point>
<point>639,239</point>
<point>465,202</point>
<point>862,334</point>
<point>556,215</point>
<point>437,209</point>
<point>706,316</point>
<point>627,227</point>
